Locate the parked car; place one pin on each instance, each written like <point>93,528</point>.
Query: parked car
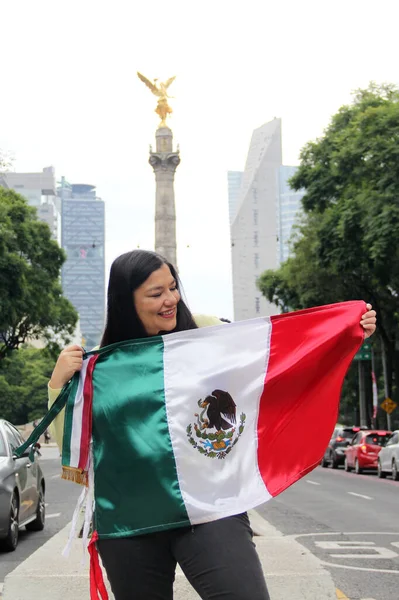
<point>22,489</point>
<point>362,452</point>
<point>388,458</point>
<point>335,451</point>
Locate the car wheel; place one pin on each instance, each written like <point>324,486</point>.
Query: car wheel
<point>395,473</point>
<point>358,470</point>
<point>346,466</point>
<point>10,543</point>
<point>334,463</point>
<point>324,463</point>
<point>38,523</point>
<point>381,474</point>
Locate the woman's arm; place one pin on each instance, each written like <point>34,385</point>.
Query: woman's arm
<point>69,361</point>
<point>57,426</point>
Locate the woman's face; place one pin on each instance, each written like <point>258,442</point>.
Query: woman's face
<point>156,301</point>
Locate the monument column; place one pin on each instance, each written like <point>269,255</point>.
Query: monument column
<point>164,162</point>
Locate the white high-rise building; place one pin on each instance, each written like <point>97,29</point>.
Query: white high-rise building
<point>254,229</point>
<point>234,181</point>
<point>39,189</point>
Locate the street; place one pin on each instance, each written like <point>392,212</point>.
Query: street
<point>61,498</point>
<point>351,523</point>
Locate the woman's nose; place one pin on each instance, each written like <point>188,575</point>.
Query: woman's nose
<point>170,299</point>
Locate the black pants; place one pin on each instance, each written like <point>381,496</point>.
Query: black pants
<point>219,560</point>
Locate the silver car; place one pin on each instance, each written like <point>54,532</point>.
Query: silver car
<point>388,458</point>
<point>22,488</point>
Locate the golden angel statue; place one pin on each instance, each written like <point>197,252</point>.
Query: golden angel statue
<point>161,91</point>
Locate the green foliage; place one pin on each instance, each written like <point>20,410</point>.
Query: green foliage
<point>31,300</point>
<point>23,384</point>
<point>5,161</point>
<point>347,244</point>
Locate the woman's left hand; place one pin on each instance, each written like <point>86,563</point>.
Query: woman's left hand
<point>368,321</point>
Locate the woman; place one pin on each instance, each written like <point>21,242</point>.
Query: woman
<point>218,558</point>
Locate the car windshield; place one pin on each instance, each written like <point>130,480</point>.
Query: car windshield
<point>377,439</point>
<point>347,434</point>
<point>3,450</point>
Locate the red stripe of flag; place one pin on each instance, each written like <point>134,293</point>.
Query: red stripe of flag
<point>87,413</point>
<point>300,400</point>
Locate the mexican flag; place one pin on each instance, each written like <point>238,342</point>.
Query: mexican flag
<point>199,425</point>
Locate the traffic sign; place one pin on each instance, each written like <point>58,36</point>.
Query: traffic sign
<point>364,352</point>
<point>388,405</point>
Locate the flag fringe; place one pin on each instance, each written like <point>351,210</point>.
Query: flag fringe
<point>76,475</point>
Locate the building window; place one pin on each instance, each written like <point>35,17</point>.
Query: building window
<point>256,239</point>
<point>256,260</point>
<point>255,213</point>
<point>257,305</point>
<point>254,195</point>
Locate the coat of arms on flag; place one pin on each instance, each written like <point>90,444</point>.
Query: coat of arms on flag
<point>219,413</point>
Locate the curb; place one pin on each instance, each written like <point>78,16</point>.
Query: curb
<point>291,570</point>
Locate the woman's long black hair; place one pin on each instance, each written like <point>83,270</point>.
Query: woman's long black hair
<point>128,272</point>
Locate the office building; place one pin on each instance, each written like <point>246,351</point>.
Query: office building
<point>254,229</point>
<point>234,181</point>
<point>288,212</point>
<point>83,273</point>
<point>39,189</point>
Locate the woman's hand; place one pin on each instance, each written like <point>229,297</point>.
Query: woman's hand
<point>368,321</point>
<point>69,361</point>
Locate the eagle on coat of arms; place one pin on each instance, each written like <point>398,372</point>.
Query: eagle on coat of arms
<point>219,413</point>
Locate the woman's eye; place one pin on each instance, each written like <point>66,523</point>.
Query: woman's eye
<point>173,289</point>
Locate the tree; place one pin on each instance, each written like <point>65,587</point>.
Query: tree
<point>31,300</point>
<point>23,383</point>
<point>5,161</point>
<point>347,245</point>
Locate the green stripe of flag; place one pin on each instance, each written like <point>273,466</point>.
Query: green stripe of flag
<point>66,443</point>
<point>136,448</point>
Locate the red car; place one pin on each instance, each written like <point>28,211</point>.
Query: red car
<point>362,452</point>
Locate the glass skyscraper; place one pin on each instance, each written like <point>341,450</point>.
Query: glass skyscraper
<point>83,273</point>
<point>288,210</point>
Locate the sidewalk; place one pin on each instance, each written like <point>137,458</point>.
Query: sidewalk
<point>291,571</point>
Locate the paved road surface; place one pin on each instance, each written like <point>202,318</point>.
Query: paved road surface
<point>61,498</point>
<point>349,521</point>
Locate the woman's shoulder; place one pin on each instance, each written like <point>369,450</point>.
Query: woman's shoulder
<point>206,320</point>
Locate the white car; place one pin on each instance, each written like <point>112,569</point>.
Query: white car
<point>388,458</point>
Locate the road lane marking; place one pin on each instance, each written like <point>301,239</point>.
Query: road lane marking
<point>367,569</point>
<point>312,482</point>
<point>341,595</point>
<point>360,496</point>
<point>378,551</point>
<point>298,536</point>
<point>55,476</point>
<point>53,515</point>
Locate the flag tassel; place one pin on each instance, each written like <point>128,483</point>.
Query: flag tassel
<point>97,585</point>
<point>76,475</point>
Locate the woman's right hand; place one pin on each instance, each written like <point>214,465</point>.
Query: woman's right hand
<point>69,361</point>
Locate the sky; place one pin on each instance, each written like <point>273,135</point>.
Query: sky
<point>70,97</point>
